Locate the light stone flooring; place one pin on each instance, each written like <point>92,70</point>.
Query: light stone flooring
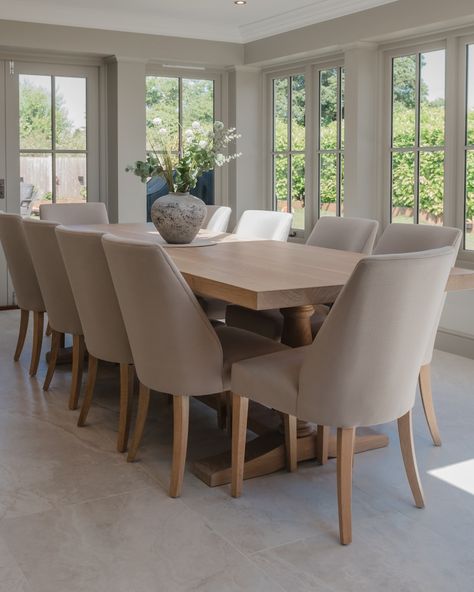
<point>74,516</point>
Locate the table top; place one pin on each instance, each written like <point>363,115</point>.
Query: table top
<point>263,274</point>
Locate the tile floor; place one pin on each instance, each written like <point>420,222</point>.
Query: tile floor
<point>75,517</point>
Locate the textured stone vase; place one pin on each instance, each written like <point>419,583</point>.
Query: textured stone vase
<point>178,217</point>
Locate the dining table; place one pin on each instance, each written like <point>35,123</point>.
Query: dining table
<point>263,275</point>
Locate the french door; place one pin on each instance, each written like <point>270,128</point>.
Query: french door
<point>49,139</point>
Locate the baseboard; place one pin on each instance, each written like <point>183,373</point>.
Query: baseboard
<point>455,342</point>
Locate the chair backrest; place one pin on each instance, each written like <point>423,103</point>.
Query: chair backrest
<point>217,218</point>
<point>346,234</point>
<point>264,224</point>
<point>20,265</point>
<point>363,365</point>
<point>94,294</point>
<point>52,276</point>
<point>408,238</point>
<point>75,213</point>
<point>173,344</point>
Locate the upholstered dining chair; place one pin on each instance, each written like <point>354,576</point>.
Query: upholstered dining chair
<point>217,218</point>
<point>264,224</point>
<point>405,238</point>
<point>361,368</point>
<point>27,290</point>
<point>75,213</point>
<point>345,234</point>
<point>175,348</point>
<point>59,300</point>
<point>101,320</point>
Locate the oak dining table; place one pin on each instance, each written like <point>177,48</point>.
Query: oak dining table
<point>263,275</point>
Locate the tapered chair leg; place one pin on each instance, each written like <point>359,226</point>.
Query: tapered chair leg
<point>49,331</point>
<point>53,358</point>
<point>345,452</point>
<point>322,444</point>
<point>91,378</point>
<point>38,323</point>
<point>180,443</point>
<point>240,407</point>
<point>405,432</point>
<point>127,372</point>
<point>291,442</point>
<point>142,412</point>
<point>78,350</point>
<point>24,318</point>
<point>424,381</point>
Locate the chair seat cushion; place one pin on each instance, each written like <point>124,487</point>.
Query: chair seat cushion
<point>270,379</point>
<point>238,344</point>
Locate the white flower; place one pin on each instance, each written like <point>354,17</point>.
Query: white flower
<point>218,125</point>
<point>220,159</point>
<point>163,131</point>
<point>157,121</point>
<point>196,125</point>
<point>203,144</point>
<point>189,133</point>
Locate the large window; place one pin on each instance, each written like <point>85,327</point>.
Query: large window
<point>469,153</point>
<point>288,147</point>
<point>178,102</point>
<point>418,137</point>
<point>331,142</point>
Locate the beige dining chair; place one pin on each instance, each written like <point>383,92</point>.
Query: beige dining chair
<point>27,290</point>
<point>217,218</point>
<point>75,213</point>
<point>345,234</point>
<point>59,300</point>
<point>405,238</point>
<point>361,369</point>
<point>101,320</point>
<point>175,348</point>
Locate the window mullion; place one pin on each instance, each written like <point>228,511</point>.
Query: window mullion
<point>417,139</point>
<point>289,142</point>
<point>53,139</point>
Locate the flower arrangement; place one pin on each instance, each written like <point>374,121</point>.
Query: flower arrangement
<point>202,151</point>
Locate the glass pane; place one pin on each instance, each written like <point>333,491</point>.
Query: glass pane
<point>328,109</point>
<point>432,92</point>
<point>469,200</point>
<point>470,95</point>
<point>431,188</point>
<point>298,113</point>
<point>403,101</point>
<point>328,184</point>
<point>403,186</point>
<point>70,113</point>
<point>341,190</point>
<point>280,175</point>
<point>71,181</point>
<point>297,190</point>
<point>162,110</point>
<point>35,182</point>
<point>280,114</point>
<point>343,85</point>
<point>35,112</point>
<point>198,103</point>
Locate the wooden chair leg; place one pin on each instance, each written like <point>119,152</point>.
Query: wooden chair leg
<point>221,410</point>
<point>91,378</point>
<point>127,377</point>
<point>180,443</point>
<point>49,331</point>
<point>53,358</point>
<point>345,452</point>
<point>78,350</point>
<point>428,406</point>
<point>240,407</point>
<point>322,444</point>
<point>405,432</point>
<point>24,318</point>
<point>142,412</point>
<point>291,442</point>
<point>38,327</point>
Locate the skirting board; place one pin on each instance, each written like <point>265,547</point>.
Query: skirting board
<point>455,342</point>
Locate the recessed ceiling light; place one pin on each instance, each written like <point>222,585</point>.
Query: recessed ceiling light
<point>240,2</point>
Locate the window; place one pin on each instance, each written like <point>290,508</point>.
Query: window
<point>288,147</point>
<point>178,102</point>
<point>331,142</point>
<point>469,153</point>
<point>417,178</point>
